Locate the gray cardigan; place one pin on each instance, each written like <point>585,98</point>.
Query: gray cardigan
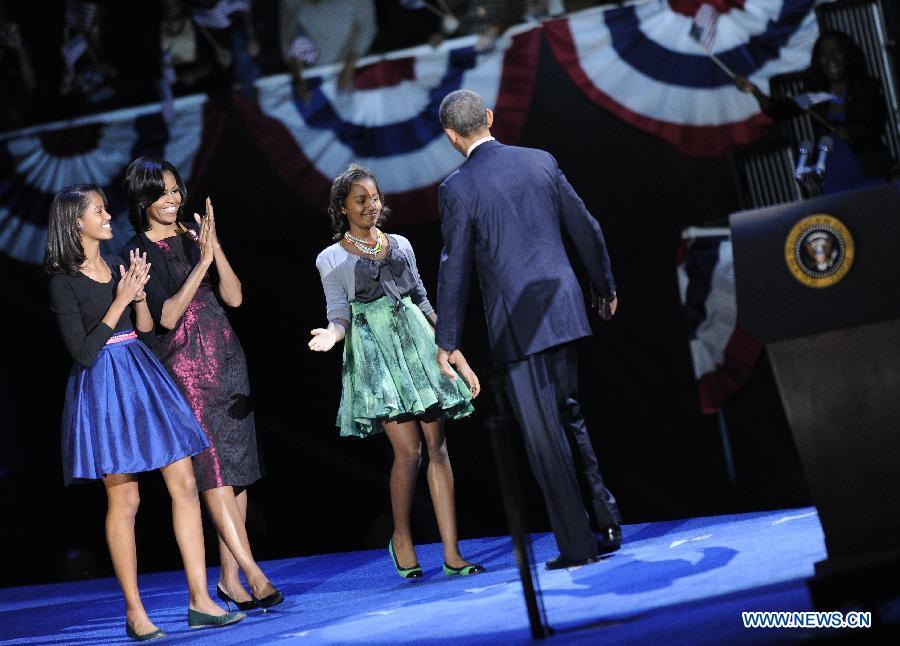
<point>337,268</point>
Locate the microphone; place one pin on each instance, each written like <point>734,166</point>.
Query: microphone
<point>826,145</point>
<point>802,169</point>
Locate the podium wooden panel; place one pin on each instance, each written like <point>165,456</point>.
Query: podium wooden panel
<point>835,352</point>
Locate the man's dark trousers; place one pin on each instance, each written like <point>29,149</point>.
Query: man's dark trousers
<point>542,389</point>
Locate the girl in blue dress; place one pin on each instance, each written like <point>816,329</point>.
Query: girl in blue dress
<point>123,414</point>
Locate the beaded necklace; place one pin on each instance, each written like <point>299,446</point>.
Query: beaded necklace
<point>370,248</point>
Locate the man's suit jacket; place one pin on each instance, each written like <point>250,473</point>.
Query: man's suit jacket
<point>505,211</point>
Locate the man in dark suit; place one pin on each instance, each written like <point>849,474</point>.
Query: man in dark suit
<point>505,211</point>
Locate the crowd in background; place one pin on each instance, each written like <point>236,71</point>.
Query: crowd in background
<point>77,57</point>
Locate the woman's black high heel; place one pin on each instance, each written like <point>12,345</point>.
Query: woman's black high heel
<point>240,605</point>
<point>270,599</point>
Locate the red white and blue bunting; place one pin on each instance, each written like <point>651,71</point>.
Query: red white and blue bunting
<point>392,128</point>
<point>390,123</point>
<point>639,62</point>
<point>636,61</point>
<point>38,163</point>
<point>722,353</point>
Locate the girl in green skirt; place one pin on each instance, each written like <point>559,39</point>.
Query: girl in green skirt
<point>391,380</point>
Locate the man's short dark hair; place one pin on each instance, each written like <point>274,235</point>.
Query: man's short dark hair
<point>464,112</point>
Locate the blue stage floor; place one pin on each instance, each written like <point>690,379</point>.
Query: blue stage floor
<point>682,581</point>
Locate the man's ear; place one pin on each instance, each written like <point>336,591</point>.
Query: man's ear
<point>452,137</point>
<point>490,117</point>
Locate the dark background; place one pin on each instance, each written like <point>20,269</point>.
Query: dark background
<point>660,456</point>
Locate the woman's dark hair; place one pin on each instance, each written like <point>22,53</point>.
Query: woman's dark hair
<point>65,254</point>
<point>340,189</point>
<point>854,60</point>
<point>143,184</point>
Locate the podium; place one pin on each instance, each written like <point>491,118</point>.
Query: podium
<point>818,281</point>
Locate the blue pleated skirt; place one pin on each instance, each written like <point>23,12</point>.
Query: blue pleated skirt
<point>124,414</point>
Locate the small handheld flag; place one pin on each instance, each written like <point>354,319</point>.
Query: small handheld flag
<point>703,32</point>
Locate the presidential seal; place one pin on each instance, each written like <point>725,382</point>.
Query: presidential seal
<point>819,251</point>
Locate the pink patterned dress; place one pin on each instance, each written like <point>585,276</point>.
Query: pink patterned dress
<point>206,360</point>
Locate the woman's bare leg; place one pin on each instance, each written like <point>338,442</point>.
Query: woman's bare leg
<point>229,571</point>
<point>229,521</point>
<point>404,438</point>
<point>123,500</point>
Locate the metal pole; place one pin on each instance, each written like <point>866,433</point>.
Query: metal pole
<point>498,425</point>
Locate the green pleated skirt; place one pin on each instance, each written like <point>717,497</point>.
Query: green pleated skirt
<point>391,371</point>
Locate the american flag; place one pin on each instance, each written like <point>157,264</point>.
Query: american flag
<point>80,15</point>
<point>808,99</point>
<point>703,26</point>
<point>219,16</point>
<point>303,49</point>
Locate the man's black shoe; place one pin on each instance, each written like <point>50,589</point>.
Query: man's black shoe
<point>609,539</point>
<point>559,563</point>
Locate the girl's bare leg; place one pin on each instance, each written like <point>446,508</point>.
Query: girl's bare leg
<point>440,484</point>
<point>404,438</point>
<point>123,500</point>
<point>179,477</point>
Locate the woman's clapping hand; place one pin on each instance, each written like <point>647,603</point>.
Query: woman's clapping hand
<point>132,281</point>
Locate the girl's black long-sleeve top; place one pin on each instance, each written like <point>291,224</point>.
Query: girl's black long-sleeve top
<point>80,303</point>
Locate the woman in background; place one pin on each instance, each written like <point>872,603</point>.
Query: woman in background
<point>852,111</point>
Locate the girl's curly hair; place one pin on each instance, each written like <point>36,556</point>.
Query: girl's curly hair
<point>340,189</point>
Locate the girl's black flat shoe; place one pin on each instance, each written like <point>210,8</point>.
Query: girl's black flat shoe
<point>130,632</point>
<point>465,570</point>
<point>197,619</point>
<point>414,572</point>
